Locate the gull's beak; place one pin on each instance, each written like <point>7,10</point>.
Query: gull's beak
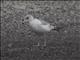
<point>24,20</point>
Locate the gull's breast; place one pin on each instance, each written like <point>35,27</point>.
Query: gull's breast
<point>38,27</point>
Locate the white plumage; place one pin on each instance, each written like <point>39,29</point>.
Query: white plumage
<point>38,25</point>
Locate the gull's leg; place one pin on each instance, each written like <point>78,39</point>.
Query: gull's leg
<point>39,41</point>
<point>44,41</point>
<point>38,44</point>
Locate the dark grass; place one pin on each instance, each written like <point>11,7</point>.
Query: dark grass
<point>18,42</point>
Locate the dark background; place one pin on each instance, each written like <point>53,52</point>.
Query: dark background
<point>18,42</point>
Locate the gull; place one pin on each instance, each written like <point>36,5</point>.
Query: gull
<point>39,26</point>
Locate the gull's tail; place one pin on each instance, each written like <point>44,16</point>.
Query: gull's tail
<point>56,28</point>
<point>52,27</point>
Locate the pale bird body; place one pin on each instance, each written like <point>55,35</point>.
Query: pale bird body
<point>39,25</point>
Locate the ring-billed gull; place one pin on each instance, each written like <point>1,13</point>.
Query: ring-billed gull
<point>38,25</point>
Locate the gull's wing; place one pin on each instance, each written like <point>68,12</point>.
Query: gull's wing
<point>44,22</point>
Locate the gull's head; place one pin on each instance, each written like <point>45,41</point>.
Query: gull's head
<point>28,18</point>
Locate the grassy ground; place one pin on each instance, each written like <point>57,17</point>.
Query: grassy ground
<point>18,41</point>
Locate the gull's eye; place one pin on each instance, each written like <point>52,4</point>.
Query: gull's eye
<point>27,17</point>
